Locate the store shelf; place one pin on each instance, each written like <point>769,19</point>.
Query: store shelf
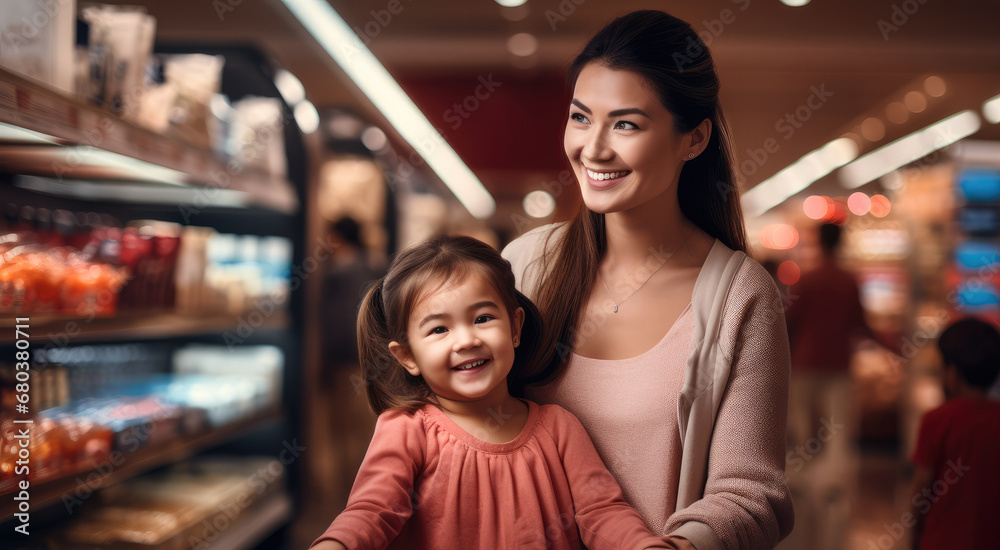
<point>59,136</point>
<point>84,483</point>
<point>63,330</point>
<point>256,523</point>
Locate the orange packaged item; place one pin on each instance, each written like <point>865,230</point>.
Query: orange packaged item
<point>91,290</point>
<point>29,282</point>
<point>48,443</point>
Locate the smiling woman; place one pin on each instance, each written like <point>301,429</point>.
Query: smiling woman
<point>683,388</point>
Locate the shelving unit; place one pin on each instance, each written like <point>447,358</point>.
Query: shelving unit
<point>71,486</point>
<point>132,327</point>
<point>60,152</point>
<point>50,134</point>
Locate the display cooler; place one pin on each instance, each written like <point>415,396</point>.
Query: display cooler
<point>150,307</point>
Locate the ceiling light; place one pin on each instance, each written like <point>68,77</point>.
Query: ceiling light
<point>799,175</point>
<point>511,3</point>
<point>991,110</point>
<point>905,150</point>
<point>306,117</point>
<point>522,44</point>
<point>289,87</point>
<point>346,49</point>
<point>17,134</point>
<point>374,138</point>
<point>795,3</point>
<point>539,204</point>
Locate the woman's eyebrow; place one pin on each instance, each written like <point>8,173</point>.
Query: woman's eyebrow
<point>617,112</point>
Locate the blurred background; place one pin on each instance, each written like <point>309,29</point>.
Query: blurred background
<point>195,193</point>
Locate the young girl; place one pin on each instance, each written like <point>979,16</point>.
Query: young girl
<point>456,461</point>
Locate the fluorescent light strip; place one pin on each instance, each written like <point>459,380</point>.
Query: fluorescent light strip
<point>131,167</point>
<point>346,49</point>
<point>991,109</point>
<point>910,148</point>
<point>798,176</point>
<point>14,134</point>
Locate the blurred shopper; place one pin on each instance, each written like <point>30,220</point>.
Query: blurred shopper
<point>955,486</point>
<point>343,286</point>
<point>825,319</point>
<point>339,422</point>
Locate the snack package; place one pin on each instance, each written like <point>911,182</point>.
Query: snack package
<point>36,39</point>
<point>121,39</point>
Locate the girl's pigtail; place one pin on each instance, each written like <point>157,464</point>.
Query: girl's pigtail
<point>527,368</point>
<point>387,383</point>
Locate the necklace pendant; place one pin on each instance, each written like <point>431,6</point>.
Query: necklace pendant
<point>616,308</point>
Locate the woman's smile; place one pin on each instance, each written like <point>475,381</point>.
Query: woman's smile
<point>602,179</point>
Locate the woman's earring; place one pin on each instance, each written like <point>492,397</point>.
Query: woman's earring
<point>690,155</point>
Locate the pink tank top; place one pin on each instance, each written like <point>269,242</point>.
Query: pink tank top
<point>629,408</point>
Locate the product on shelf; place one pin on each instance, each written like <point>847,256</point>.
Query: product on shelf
<point>195,78</point>
<point>86,266</point>
<point>92,404</point>
<point>191,503</point>
<point>39,275</point>
<point>36,39</point>
<point>257,134</point>
<point>120,41</point>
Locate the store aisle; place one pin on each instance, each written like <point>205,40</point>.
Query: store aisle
<point>339,426</point>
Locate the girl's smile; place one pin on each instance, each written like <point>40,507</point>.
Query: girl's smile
<point>461,340</point>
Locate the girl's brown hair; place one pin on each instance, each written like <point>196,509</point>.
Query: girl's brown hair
<point>386,307</point>
<point>670,57</point>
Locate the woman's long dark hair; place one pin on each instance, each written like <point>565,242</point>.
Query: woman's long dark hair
<point>386,307</point>
<point>668,54</point>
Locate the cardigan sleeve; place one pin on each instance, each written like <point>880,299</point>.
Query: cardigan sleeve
<point>746,503</point>
<point>380,501</point>
<point>605,520</point>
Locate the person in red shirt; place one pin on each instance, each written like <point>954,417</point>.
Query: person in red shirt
<point>825,322</point>
<point>955,485</point>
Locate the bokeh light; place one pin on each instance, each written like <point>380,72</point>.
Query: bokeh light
<point>859,203</point>
<point>897,113</point>
<point>880,206</point>
<point>789,272</point>
<point>522,44</point>
<point>539,204</point>
<point>817,207</point>
<point>779,236</point>
<point>935,86</point>
<point>873,129</point>
<point>915,101</point>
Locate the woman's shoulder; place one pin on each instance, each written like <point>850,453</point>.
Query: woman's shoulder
<point>524,253</point>
<point>750,279</point>
<point>532,242</point>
